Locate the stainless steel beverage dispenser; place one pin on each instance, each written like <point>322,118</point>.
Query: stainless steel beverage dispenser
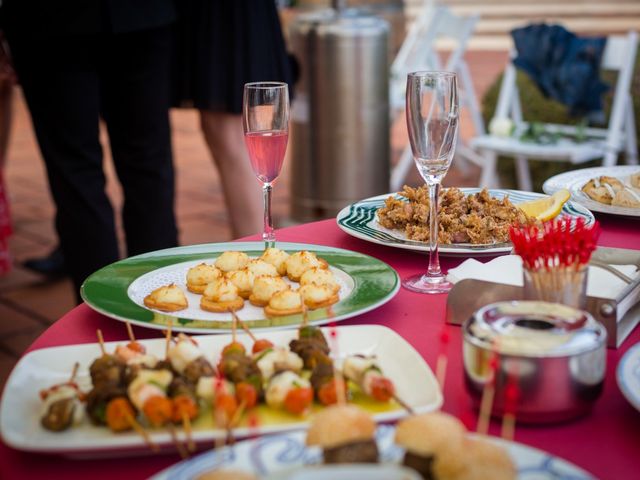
<point>340,118</point>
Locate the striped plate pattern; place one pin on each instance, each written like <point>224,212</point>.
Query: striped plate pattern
<point>359,220</point>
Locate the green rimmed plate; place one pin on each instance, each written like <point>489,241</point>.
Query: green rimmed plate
<point>118,289</point>
<point>361,221</point>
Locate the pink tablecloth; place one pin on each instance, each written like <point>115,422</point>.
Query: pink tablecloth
<point>606,442</point>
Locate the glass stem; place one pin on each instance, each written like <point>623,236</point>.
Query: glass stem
<point>268,235</point>
<point>434,260</point>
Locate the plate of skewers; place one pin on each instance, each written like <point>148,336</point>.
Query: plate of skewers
<point>344,443</point>
<point>472,221</point>
<point>178,392</point>
<point>194,288</point>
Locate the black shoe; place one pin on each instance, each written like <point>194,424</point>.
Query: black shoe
<point>52,265</point>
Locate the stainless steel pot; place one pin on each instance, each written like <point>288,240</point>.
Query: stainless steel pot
<point>554,354</point>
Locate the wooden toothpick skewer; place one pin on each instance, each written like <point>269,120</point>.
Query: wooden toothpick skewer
<point>339,378</point>
<point>510,406</point>
<point>403,404</point>
<point>186,422</point>
<point>247,330</point>
<point>237,416</point>
<point>74,372</point>
<point>488,395</point>
<point>174,438</point>
<point>142,432</point>
<point>168,340</point>
<point>234,326</point>
<point>441,363</point>
<point>508,426</point>
<point>101,342</point>
<point>305,315</point>
<point>132,337</point>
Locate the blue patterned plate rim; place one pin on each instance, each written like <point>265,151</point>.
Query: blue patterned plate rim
<point>629,380</point>
<point>277,456</point>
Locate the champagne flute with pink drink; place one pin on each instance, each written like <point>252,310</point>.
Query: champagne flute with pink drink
<point>265,118</point>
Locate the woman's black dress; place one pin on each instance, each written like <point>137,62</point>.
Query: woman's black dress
<point>222,44</point>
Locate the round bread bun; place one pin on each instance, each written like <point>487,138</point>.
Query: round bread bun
<point>226,475</point>
<point>479,458</point>
<point>340,424</point>
<point>430,433</point>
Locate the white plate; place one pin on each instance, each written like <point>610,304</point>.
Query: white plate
<point>176,274</point>
<point>360,220</point>
<point>574,180</point>
<point>628,375</point>
<point>279,456</point>
<point>20,407</point>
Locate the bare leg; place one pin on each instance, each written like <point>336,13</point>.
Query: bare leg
<point>243,196</point>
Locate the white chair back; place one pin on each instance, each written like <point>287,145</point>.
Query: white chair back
<point>418,52</point>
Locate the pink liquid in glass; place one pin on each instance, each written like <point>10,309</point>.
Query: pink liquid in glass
<point>266,151</point>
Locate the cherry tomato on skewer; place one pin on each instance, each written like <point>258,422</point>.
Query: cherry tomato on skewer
<point>247,394</point>
<point>298,400</point>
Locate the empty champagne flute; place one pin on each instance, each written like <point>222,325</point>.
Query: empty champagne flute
<point>265,119</point>
<point>432,121</point>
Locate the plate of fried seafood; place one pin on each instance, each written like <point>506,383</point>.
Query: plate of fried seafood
<point>349,446</point>
<point>177,392</point>
<point>614,190</point>
<point>195,288</point>
<point>473,221</point>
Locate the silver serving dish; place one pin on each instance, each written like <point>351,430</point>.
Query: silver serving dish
<point>554,354</point>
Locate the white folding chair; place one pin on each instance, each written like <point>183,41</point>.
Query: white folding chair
<point>606,143</point>
<point>418,52</point>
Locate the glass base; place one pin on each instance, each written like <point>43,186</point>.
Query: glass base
<point>427,284</point>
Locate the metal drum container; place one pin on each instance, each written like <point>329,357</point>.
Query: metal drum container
<point>340,118</point>
<point>555,355</point>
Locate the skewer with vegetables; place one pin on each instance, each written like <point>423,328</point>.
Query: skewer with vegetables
<point>365,372</point>
<point>62,404</point>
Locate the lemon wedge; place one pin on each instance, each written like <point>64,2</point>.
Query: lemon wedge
<point>545,208</point>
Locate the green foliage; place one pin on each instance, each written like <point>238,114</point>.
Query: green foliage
<point>537,108</point>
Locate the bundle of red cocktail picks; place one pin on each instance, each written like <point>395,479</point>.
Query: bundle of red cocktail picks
<point>555,256</point>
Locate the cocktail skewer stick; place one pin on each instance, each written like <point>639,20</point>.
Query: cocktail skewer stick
<point>441,362</point>
<point>186,423</point>
<point>247,330</point>
<point>488,395</point>
<point>101,342</point>
<point>176,441</point>
<point>168,340</point>
<point>141,431</point>
<point>132,337</point>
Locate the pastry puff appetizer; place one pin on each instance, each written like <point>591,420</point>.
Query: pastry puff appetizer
<point>230,261</point>
<point>286,302</point>
<point>300,262</point>
<point>264,288</point>
<point>199,276</point>
<point>221,295</point>
<point>261,268</point>
<point>277,258</point>
<point>320,276</point>
<point>243,279</point>
<point>168,298</point>
<point>317,296</point>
